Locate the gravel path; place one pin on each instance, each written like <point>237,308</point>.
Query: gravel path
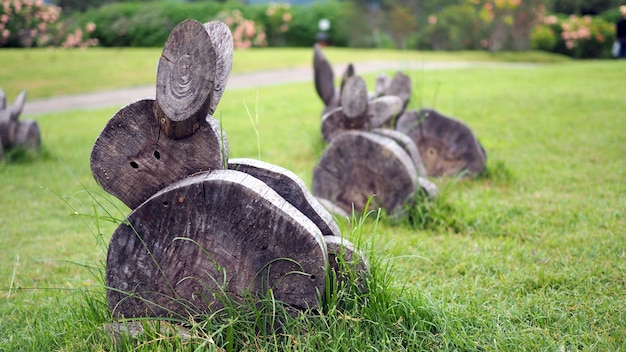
<point>121,97</point>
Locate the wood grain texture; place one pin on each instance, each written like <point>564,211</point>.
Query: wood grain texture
<point>323,76</point>
<point>447,146</point>
<point>354,97</point>
<point>335,122</point>
<point>347,264</point>
<point>223,44</point>
<point>357,165</point>
<point>132,159</point>
<point>383,111</point>
<point>185,80</point>
<point>8,127</point>
<point>291,187</point>
<point>223,232</point>
<point>27,135</point>
<point>400,86</point>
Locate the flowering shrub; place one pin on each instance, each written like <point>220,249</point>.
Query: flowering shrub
<point>579,37</point>
<point>29,23</point>
<point>277,21</point>
<point>246,33</point>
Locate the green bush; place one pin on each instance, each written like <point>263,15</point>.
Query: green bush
<point>578,37</point>
<point>149,24</point>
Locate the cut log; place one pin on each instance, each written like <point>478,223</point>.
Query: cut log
<point>354,97</point>
<point>357,165</point>
<point>383,111</point>
<point>407,144</point>
<point>447,146</point>
<point>3,100</point>
<point>324,77</point>
<point>210,235</point>
<point>335,122</point>
<point>27,135</point>
<point>349,72</point>
<point>223,44</point>
<point>132,160</point>
<point>332,207</point>
<point>289,186</point>
<point>400,86</point>
<point>8,127</point>
<point>185,80</point>
<point>346,263</point>
<point>382,83</point>
<point>18,105</point>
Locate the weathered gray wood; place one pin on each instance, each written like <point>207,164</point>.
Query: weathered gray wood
<point>354,97</point>
<point>447,146</point>
<point>349,72</point>
<point>346,262</point>
<point>3,100</point>
<point>223,44</point>
<point>335,122</point>
<point>27,135</point>
<point>357,165</point>
<point>185,80</point>
<point>332,207</point>
<point>382,83</point>
<point>324,77</point>
<point>8,127</point>
<point>408,145</point>
<point>383,111</point>
<point>132,160</point>
<point>289,186</point>
<point>18,105</point>
<point>212,234</point>
<point>400,86</point>
<point>135,329</point>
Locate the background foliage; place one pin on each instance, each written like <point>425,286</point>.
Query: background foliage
<point>575,28</point>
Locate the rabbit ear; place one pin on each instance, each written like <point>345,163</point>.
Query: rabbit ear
<point>323,75</point>
<point>3,100</point>
<point>18,105</point>
<point>349,72</point>
<point>185,80</point>
<point>222,40</point>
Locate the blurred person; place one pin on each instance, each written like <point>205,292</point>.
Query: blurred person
<point>620,32</point>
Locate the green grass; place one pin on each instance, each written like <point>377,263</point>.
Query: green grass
<point>529,257</point>
<point>52,72</point>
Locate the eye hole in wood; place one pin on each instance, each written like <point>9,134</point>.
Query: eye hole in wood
<point>157,155</point>
<point>134,165</point>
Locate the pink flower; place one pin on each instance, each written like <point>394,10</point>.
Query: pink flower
<point>432,19</point>
<point>287,17</point>
<point>90,27</point>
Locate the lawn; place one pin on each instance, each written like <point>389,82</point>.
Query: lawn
<point>530,256</point>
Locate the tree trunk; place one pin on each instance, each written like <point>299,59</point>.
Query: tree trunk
<point>210,235</point>
<point>132,160</point>
<point>447,146</point>
<point>357,165</point>
<point>185,80</point>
